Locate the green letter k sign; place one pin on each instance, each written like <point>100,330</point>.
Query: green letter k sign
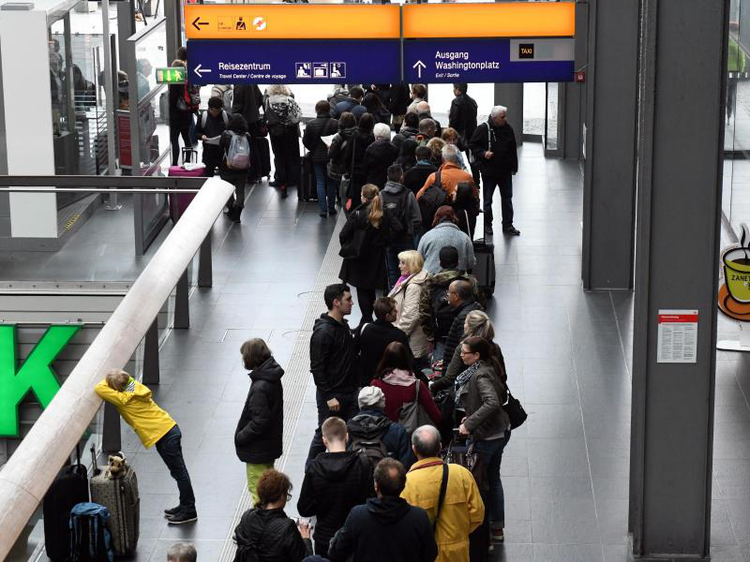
<point>35,374</point>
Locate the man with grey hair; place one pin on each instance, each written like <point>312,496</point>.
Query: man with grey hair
<point>427,130</point>
<point>182,552</point>
<point>493,145</point>
<point>451,174</point>
<point>447,492</point>
<point>379,156</point>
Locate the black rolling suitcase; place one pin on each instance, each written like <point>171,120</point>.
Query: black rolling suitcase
<point>70,487</point>
<point>260,165</point>
<point>308,190</point>
<point>484,270</point>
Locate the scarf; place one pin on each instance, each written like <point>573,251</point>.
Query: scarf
<point>463,378</point>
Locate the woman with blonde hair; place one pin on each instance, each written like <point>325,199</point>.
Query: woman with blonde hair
<point>407,293</point>
<point>436,146</point>
<point>477,324</point>
<point>363,241</point>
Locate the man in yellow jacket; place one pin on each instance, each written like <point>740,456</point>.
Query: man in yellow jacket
<point>153,427</point>
<point>462,509</point>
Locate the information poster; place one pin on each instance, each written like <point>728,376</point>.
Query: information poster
<point>678,336</point>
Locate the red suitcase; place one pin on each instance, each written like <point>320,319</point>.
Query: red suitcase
<point>178,202</point>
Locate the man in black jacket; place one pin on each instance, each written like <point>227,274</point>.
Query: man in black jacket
<point>211,124</point>
<point>463,118</point>
<point>375,336</point>
<point>247,101</point>
<point>332,362</point>
<point>335,482</point>
<point>494,147</point>
<point>409,130</point>
<point>461,298</point>
<point>386,528</point>
<point>353,104</point>
<point>322,126</point>
<point>416,176</point>
<point>380,155</point>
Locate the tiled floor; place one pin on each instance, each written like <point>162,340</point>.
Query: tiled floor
<point>568,355</point>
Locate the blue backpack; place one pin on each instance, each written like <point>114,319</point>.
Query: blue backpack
<point>90,540</point>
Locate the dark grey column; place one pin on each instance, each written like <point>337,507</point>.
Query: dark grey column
<point>205,265</point>
<point>151,354</point>
<point>610,134</point>
<point>682,85</point>
<point>182,303</point>
<point>572,118</point>
<point>125,28</point>
<point>174,22</point>
<point>511,96</point>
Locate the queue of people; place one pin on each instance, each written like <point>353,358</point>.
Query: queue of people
<point>395,393</point>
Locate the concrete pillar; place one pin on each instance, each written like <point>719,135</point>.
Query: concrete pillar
<point>511,96</point>
<point>610,137</point>
<point>27,141</point>
<point>682,85</point>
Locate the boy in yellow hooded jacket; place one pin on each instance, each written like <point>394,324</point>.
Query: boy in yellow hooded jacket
<point>153,426</point>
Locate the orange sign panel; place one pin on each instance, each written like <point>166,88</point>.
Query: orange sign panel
<point>292,21</point>
<point>517,19</point>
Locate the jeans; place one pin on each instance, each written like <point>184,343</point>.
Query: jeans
<point>505,184</point>
<point>492,455</point>
<point>169,448</point>
<point>391,259</point>
<point>349,407</point>
<point>327,187</point>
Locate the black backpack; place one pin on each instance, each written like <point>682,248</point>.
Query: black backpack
<point>368,444</point>
<point>431,200</point>
<point>442,311</point>
<point>397,209</point>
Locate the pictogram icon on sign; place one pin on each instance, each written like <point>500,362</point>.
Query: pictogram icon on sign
<point>240,25</point>
<point>259,23</point>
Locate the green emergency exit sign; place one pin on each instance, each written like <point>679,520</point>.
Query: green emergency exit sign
<point>35,375</point>
<point>171,75</point>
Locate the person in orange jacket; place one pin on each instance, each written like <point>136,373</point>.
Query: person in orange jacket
<point>153,426</point>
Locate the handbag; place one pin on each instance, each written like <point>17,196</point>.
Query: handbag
<point>515,411</point>
<point>467,456</point>
<point>352,248</point>
<point>412,415</point>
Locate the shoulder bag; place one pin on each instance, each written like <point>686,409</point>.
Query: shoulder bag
<point>412,415</point>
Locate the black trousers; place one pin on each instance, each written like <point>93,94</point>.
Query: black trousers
<point>211,158</point>
<point>175,131</point>
<point>349,409</point>
<point>505,184</point>
<point>366,300</point>
<point>286,154</point>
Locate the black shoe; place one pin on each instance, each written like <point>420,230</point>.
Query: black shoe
<point>237,211</point>
<point>274,183</point>
<point>511,231</point>
<point>323,215</point>
<point>284,192</point>
<point>488,229</point>
<point>331,212</point>
<point>172,511</point>
<point>183,516</point>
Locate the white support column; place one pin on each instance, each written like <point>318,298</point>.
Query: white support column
<point>28,119</point>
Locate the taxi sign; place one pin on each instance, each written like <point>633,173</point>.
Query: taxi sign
<point>292,21</point>
<point>511,19</point>
<point>171,75</point>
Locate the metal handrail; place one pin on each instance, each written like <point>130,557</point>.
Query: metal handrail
<point>31,469</point>
<point>123,182</point>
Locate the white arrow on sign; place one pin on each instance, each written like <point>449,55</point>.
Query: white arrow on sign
<point>200,72</point>
<point>419,65</point>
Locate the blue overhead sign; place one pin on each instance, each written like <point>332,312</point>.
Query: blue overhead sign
<point>488,60</point>
<point>292,61</point>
